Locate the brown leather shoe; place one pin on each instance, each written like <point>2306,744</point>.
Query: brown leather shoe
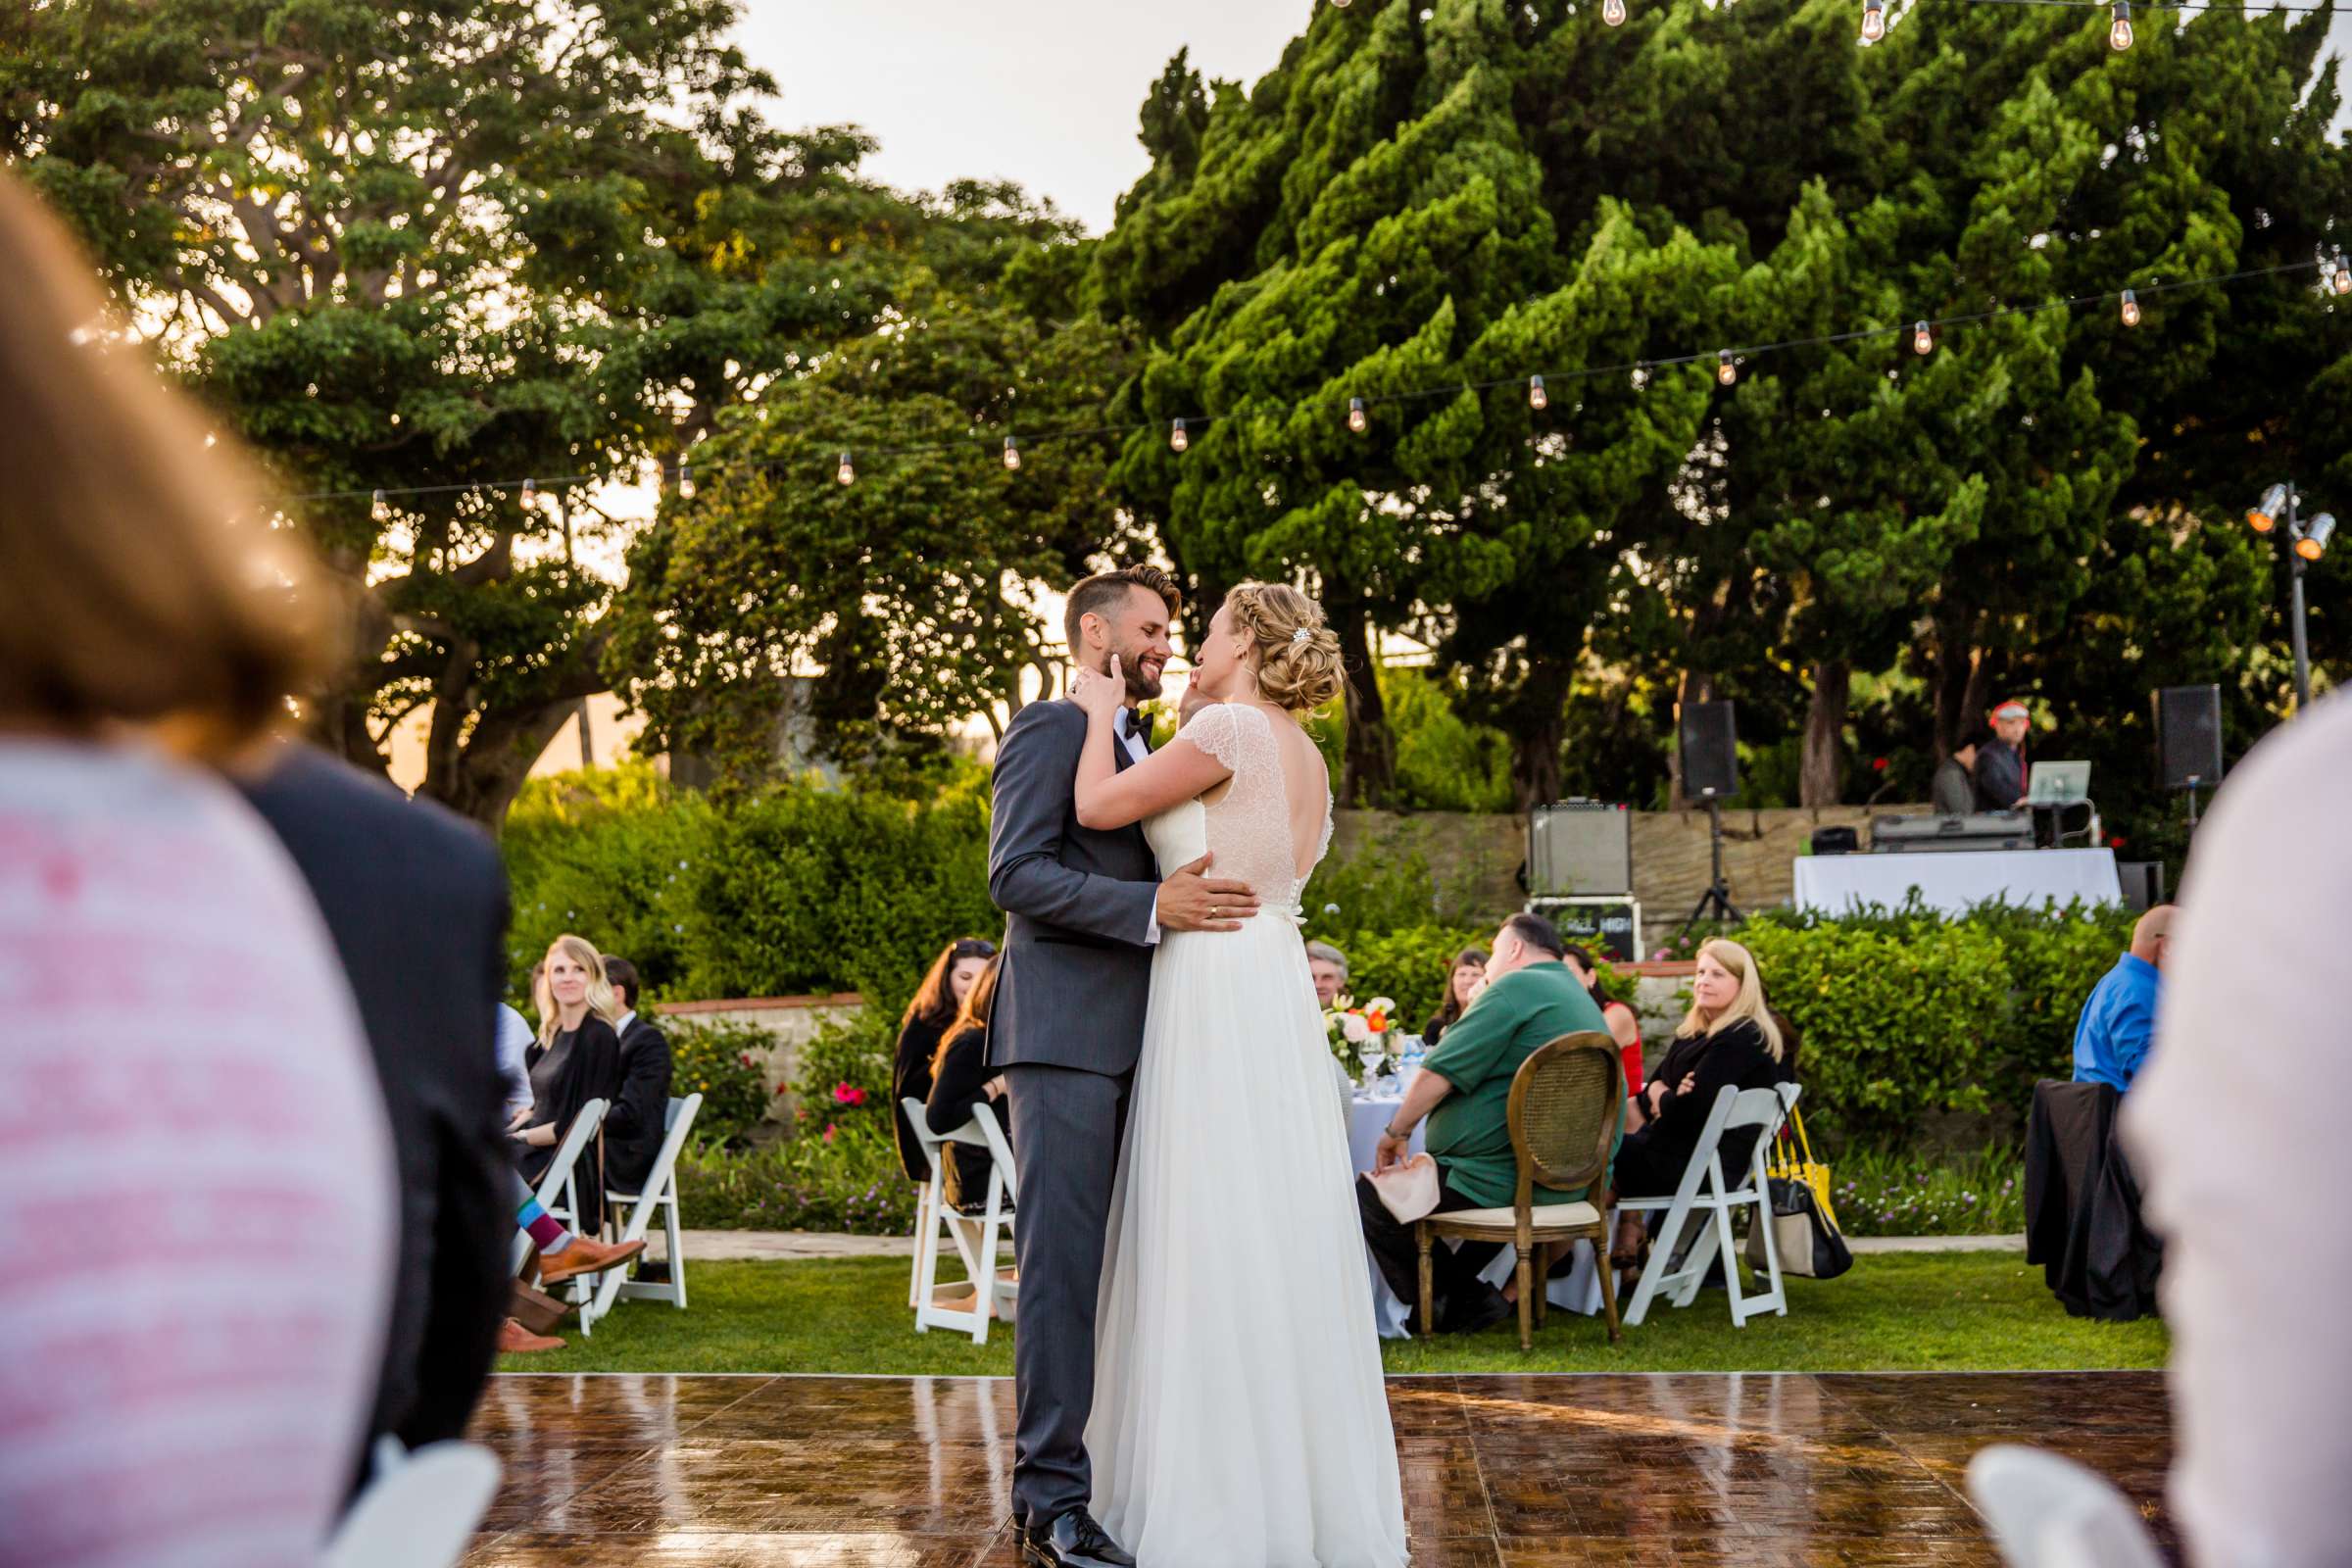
<point>585,1255</point>
<point>515,1340</point>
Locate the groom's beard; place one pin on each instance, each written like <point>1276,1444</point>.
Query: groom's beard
<point>1141,687</point>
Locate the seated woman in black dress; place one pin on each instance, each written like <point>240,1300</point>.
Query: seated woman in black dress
<point>1469,968</point>
<point>925,1023</point>
<point>1730,1037</point>
<point>961,1079</point>
<point>576,1059</point>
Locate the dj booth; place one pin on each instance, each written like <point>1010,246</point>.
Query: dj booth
<point>1956,879</point>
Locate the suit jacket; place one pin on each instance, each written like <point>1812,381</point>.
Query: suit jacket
<point>1075,969</point>
<point>2083,1220</point>
<point>640,1115</point>
<point>416,902</point>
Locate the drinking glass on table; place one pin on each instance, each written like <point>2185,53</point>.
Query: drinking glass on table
<point>1371,1053</point>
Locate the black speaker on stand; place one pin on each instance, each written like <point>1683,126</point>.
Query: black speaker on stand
<point>1712,773</point>
<point>2188,741</point>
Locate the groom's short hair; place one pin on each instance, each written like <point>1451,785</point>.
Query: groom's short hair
<point>1105,590</point>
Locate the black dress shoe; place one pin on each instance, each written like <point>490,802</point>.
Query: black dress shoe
<point>1475,1313</point>
<point>1073,1541</point>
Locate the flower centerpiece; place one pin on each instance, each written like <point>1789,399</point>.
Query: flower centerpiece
<point>1360,1034</point>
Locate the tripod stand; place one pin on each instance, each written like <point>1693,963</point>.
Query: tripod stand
<point>1718,897</point>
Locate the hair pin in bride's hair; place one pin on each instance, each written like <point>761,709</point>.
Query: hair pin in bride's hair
<point>1301,635</point>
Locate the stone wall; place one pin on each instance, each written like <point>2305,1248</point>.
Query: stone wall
<point>1476,858</point>
<point>789,1022</point>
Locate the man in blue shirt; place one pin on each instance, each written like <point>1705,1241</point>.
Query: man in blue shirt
<point>2118,1021</point>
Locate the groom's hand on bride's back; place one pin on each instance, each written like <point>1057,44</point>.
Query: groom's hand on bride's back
<point>1190,901</point>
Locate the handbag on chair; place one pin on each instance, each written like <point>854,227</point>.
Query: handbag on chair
<point>1804,1227</point>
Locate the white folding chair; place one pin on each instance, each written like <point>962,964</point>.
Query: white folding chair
<point>1702,1191</point>
<point>2048,1511</point>
<point>660,1192</point>
<point>417,1510</point>
<point>557,1191</point>
<point>976,1238</point>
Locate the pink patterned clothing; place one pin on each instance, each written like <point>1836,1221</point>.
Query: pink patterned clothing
<point>196,1192</point>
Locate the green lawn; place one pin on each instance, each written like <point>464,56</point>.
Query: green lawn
<point>1957,1311</point>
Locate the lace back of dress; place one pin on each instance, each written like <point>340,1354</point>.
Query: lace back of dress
<point>1250,829</point>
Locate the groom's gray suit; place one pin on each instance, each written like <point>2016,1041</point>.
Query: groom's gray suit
<point>1071,986</point>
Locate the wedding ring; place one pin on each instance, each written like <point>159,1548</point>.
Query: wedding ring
<point>1215,913</point>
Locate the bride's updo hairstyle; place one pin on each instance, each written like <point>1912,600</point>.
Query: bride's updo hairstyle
<point>1297,655</point>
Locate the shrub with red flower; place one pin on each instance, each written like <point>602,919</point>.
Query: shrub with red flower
<point>845,1094</point>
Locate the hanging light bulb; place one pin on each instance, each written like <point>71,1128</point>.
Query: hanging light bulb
<point>2119,34</point>
<point>1537,398</point>
<point>1360,420</point>
<point>1612,12</point>
<point>1874,21</point>
<point>846,474</point>
<point>1725,371</point>
<point>2263,517</point>
<point>530,494</point>
<point>2313,543</point>
<point>1923,341</point>
<point>1013,455</point>
<point>382,510</point>
<point>1177,439</point>
<point>1641,376</point>
<point>685,482</point>
<point>2131,309</point>
<point>2343,275</point>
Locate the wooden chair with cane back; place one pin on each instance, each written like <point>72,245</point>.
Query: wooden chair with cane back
<point>1566,1102</point>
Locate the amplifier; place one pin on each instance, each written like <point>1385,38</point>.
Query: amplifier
<point>1580,849</point>
<point>1981,830</point>
<point>1607,928</point>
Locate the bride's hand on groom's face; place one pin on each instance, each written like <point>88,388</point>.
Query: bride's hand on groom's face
<point>1191,901</point>
<point>1100,695</point>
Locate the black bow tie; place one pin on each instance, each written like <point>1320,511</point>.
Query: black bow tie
<point>1131,722</point>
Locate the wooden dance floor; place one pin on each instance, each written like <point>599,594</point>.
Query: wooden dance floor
<point>1757,1469</point>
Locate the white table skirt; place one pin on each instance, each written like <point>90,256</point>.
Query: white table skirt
<point>1952,881</point>
<point>1579,1291</point>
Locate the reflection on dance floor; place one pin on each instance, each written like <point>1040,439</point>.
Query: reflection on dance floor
<point>1763,1469</point>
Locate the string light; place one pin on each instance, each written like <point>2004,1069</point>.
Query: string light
<point>1725,371</point>
<point>1177,439</point>
<point>2131,309</point>
<point>2333,273</point>
<point>1874,21</point>
<point>1612,12</point>
<point>382,510</point>
<point>2119,36</point>
<point>530,494</point>
<point>1537,398</point>
<point>685,482</point>
<point>2263,517</point>
<point>1013,455</point>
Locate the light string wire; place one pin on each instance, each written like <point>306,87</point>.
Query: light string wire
<point>1192,424</point>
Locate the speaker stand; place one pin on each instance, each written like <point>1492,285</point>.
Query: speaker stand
<point>2192,805</point>
<point>1718,897</point>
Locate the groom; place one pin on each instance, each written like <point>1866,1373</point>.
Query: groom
<point>1082,911</point>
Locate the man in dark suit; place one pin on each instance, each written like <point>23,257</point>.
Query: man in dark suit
<point>639,1119</point>
<point>416,900</point>
<point>1082,910</point>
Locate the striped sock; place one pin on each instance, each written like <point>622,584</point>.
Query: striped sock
<point>551,1237</point>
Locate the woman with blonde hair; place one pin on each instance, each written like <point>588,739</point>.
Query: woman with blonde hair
<point>153,628</point>
<point>575,1060</point>
<point>1232,1116</point>
<point>1728,1037</point>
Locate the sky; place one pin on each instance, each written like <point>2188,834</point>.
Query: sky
<point>1044,92</point>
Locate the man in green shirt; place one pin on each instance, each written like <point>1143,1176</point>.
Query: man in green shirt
<point>1464,1090</point>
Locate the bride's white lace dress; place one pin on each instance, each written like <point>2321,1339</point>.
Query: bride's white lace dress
<point>1240,1419</point>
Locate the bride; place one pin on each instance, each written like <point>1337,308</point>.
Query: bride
<point>1240,1419</point>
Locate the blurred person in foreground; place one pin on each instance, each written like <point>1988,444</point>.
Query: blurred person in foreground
<point>193,1385</point>
<point>2237,1169</point>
